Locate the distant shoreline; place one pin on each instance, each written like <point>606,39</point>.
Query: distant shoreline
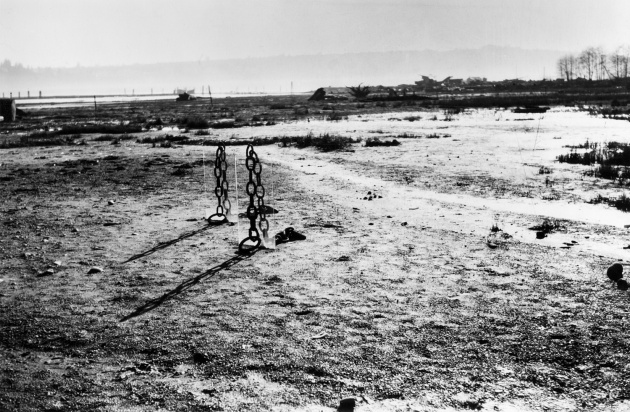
<point>125,98</point>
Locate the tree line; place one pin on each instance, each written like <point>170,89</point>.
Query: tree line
<point>594,64</point>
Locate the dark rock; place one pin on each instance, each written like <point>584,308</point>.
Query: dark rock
<point>622,284</point>
<point>347,405</point>
<point>199,357</point>
<point>615,272</point>
<point>541,235</point>
<point>95,269</point>
<point>47,272</point>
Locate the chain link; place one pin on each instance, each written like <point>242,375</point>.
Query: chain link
<point>256,208</point>
<point>222,188</point>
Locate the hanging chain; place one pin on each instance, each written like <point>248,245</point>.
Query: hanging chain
<point>256,192</point>
<point>222,188</point>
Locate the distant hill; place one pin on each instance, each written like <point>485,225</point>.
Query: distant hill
<point>274,74</point>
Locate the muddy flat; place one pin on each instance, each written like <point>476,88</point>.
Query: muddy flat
<point>420,285</point>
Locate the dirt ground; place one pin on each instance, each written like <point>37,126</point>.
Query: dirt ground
<point>402,296</point>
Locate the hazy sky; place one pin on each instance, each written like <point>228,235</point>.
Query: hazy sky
<point>106,32</point>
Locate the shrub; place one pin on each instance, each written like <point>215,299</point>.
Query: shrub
<point>99,128</point>
<point>196,123</point>
<point>359,92</point>
<point>163,138</point>
<point>412,118</point>
<point>375,142</point>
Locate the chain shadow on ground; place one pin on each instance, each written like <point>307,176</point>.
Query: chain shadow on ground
<point>168,243</point>
<point>184,286</point>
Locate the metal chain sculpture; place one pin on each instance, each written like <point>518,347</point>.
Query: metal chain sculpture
<point>256,192</point>
<point>223,211</point>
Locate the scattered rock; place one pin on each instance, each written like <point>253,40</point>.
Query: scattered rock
<point>622,284</point>
<point>57,262</point>
<point>303,312</point>
<point>112,223</point>
<point>347,404</point>
<point>95,269</point>
<point>200,357</point>
<point>343,259</point>
<point>403,224</point>
<point>541,235</point>
<point>47,272</point>
<point>615,272</point>
<point>110,202</point>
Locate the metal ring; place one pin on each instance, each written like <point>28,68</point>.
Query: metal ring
<point>227,204</point>
<point>241,246</point>
<point>218,191</point>
<point>265,227</point>
<point>252,212</point>
<point>250,189</point>
<point>258,189</point>
<point>250,163</point>
<point>258,168</point>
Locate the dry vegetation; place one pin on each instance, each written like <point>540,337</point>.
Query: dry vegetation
<point>116,295</point>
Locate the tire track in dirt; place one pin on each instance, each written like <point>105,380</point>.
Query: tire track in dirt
<point>461,212</point>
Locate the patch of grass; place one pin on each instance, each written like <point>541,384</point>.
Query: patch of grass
<point>195,123</point>
<point>548,226</point>
<point>607,156</point>
<point>413,118</point>
<point>99,128</point>
<point>585,145</point>
<point>40,139</point>
<point>408,136</point>
<point>336,116</point>
<point>375,142</point>
<point>622,202</point>
<point>163,138</point>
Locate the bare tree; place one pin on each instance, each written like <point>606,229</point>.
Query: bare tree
<point>625,53</point>
<point>563,68</point>
<point>567,67</point>
<point>588,61</point>
<point>616,60</point>
<point>601,67</point>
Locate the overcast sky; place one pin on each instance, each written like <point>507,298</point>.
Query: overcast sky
<point>110,32</point>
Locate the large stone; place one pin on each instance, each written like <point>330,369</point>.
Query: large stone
<point>622,284</point>
<point>347,404</point>
<point>615,272</point>
<point>95,269</point>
